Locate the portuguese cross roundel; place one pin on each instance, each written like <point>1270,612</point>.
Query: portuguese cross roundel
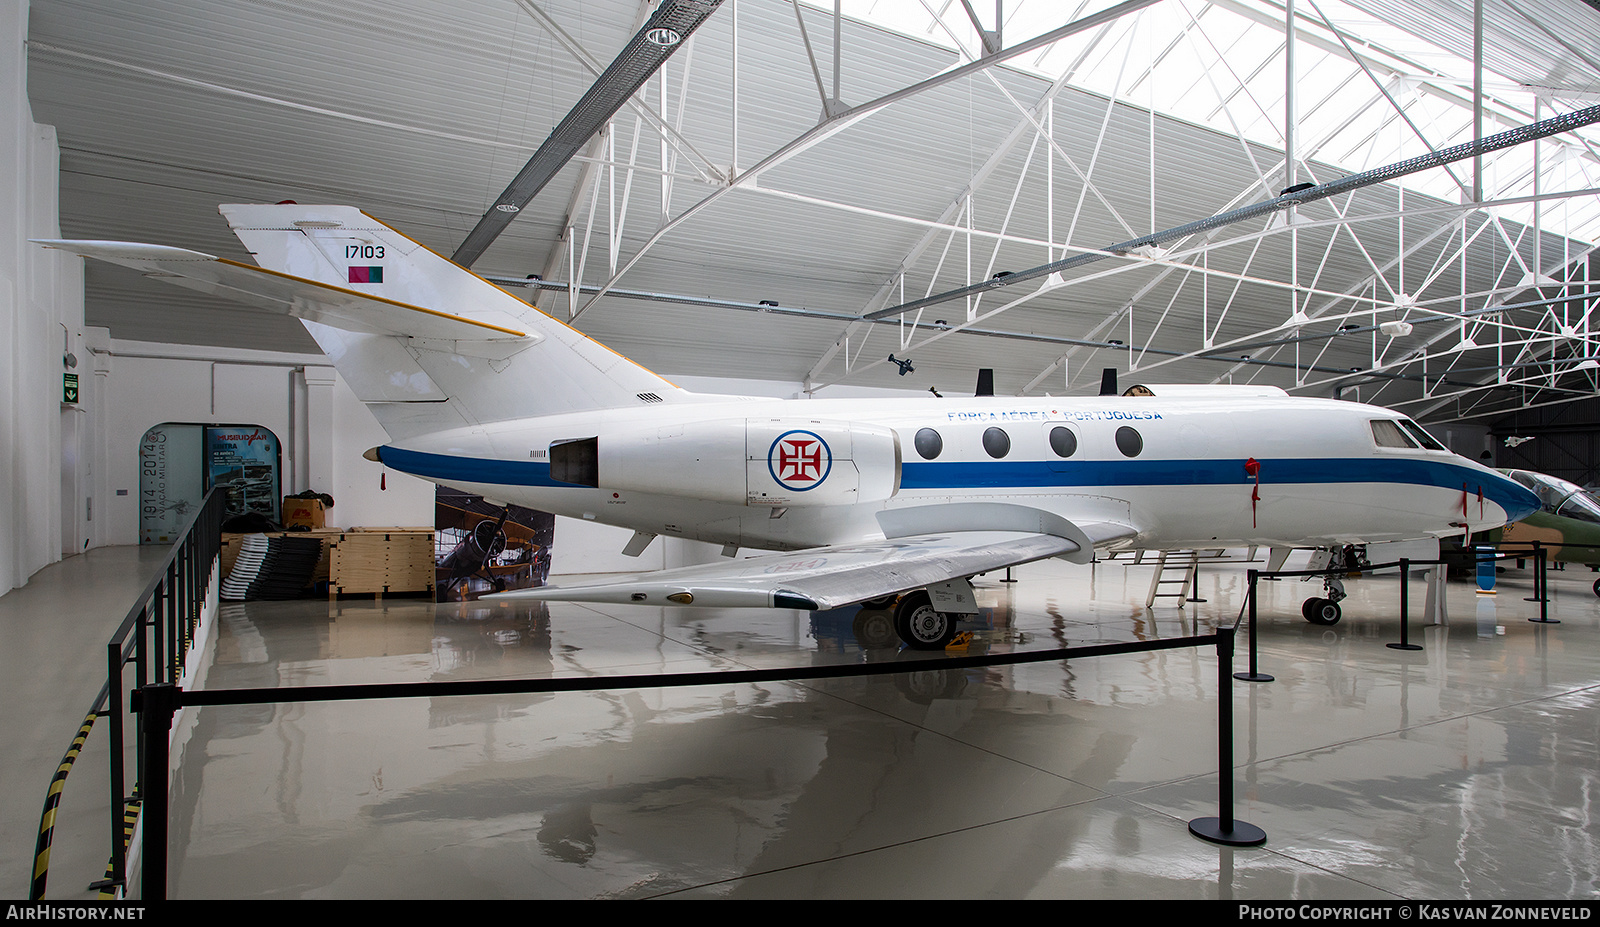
<point>799,460</point>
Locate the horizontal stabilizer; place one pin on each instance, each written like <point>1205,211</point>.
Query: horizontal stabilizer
<point>820,578</point>
<point>296,296</point>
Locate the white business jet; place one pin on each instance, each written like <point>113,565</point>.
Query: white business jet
<point>866,500</point>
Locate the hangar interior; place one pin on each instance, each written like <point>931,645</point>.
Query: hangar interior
<point>800,192</point>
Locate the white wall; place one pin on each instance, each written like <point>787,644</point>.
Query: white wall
<point>323,427</point>
<point>41,314</point>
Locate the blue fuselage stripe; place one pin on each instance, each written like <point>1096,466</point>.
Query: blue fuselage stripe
<point>450,468</point>
<point>1061,475</point>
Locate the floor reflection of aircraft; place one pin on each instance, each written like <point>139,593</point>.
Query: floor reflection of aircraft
<point>1567,522</point>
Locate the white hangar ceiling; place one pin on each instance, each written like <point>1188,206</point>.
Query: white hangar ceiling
<point>841,165</point>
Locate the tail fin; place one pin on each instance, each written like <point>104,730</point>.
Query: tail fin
<point>417,381</point>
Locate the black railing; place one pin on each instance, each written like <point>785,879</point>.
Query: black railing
<point>155,637</point>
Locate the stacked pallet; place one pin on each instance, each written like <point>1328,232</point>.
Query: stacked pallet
<point>277,567</point>
<point>231,545</point>
<point>380,561</point>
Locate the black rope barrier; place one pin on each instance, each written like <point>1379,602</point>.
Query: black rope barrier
<point>158,704</point>
<point>1538,552</point>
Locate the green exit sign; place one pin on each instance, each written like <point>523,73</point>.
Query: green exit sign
<point>69,387</point>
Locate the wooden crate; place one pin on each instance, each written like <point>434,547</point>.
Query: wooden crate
<point>379,561</point>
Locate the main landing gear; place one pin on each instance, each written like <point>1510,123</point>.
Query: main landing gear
<point>920,625</point>
<point>913,618</point>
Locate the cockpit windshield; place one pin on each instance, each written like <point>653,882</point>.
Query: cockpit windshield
<point>1426,440</point>
<point>1556,494</point>
<point>1402,433</point>
<point>1387,433</point>
<point>1582,506</point>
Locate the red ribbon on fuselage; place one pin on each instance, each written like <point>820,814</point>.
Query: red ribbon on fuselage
<point>1252,467</point>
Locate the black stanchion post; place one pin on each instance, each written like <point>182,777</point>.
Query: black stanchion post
<point>1539,577</point>
<point>1254,675</point>
<point>1405,609</point>
<point>1224,829</point>
<point>156,705</point>
<point>119,793</point>
<point>1541,581</point>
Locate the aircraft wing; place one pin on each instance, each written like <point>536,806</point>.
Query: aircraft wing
<point>286,294</point>
<point>828,577</point>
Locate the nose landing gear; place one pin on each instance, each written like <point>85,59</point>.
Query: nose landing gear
<point>1321,611</point>
<point>1325,610</point>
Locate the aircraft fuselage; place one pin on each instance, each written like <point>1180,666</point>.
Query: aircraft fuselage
<point>787,474</point>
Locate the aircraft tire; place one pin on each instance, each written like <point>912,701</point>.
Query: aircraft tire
<point>1597,587</point>
<point>1322,611</point>
<point>920,625</point>
<point>874,629</point>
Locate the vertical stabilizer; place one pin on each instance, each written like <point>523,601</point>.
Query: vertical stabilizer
<point>417,384</point>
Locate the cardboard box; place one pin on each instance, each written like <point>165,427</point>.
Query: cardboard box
<point>308,512</point>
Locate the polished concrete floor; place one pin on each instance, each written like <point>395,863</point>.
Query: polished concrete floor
<point>1466,770</point>
<point>53,634</point>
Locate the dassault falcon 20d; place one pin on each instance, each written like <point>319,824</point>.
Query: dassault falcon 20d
<point>864,500</point>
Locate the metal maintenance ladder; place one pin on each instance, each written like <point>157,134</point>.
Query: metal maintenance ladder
<point>1174,568</point>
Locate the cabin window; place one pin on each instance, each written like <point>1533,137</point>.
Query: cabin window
<point>1063,441</point>
<point>1423,438</point>
<point>1388,434</point>
<point>996,442</point>
<point>1129,441</point>
<point>928,443</point>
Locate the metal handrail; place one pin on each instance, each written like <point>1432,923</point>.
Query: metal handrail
<point>170,604</point>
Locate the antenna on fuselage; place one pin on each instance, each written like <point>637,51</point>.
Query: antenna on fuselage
<point>985,382</point>
<point>1108,381</point>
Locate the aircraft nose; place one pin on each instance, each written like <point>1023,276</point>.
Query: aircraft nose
<point>1518,500</point>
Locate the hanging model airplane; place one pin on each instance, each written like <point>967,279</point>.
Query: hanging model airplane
<point>866,500</point>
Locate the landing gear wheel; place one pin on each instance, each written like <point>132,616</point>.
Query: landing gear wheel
<point>1321,611</point>
<point>1597,587</point>
<point>884,602</point>
<point>874,630</point>
<point>920,625</point>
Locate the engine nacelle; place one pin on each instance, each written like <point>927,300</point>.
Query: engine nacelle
<point>779,462</point>
<point>806,462</point>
